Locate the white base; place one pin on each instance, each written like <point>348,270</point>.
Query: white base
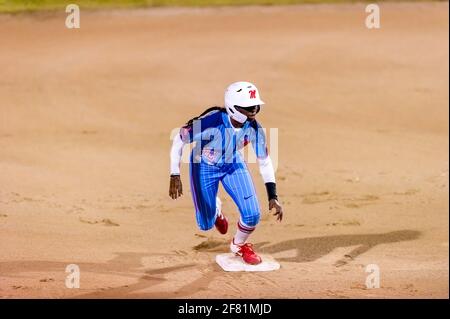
<point>231,262</point>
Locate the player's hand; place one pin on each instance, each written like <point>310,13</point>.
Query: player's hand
<point>176,188</point>
<point>273,203</point>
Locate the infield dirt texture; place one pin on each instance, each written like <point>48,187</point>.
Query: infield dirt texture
<point>362,118</point>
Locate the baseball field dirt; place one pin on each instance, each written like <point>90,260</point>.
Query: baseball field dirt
<point>362,154</point>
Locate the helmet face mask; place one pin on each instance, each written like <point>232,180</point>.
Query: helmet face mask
<point>249,109</point>
<point>241,95</point>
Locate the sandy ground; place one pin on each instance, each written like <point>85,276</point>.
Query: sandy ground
<point>362,118</point>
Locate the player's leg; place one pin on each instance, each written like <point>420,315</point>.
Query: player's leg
<point>239,184</point>
<point>204,180</point>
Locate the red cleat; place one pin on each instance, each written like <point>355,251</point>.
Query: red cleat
<point>221,224</point>
<point>246,252</point>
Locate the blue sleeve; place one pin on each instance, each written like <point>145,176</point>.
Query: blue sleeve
<point>194,132</point>
<point>258,140</point>
<point>186,134</point>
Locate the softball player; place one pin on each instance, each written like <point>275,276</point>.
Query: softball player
<point>220,134</point>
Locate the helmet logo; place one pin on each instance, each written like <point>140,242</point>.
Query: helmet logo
<point>252,94</point>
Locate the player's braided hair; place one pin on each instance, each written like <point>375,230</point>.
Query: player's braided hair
<point>214,108</point>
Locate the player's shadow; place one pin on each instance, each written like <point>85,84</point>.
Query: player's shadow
<point>123,265</point>
<point>130,264</point>
<point>313,248</point>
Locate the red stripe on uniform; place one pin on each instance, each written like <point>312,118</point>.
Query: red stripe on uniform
<point>245,229</point>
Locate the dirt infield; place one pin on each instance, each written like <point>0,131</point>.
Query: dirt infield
<point>362,118</point>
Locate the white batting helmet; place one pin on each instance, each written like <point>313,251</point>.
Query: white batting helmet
<point>243,94</point>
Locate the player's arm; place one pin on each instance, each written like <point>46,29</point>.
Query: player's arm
<point>259,144</point>
<point>176,151</point>
<point>268,175</point>
<point>189,133</point>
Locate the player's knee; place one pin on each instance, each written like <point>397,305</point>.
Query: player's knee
<point>251,220</point>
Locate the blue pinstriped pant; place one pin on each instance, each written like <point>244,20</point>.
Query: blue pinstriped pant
<point>237,182</point>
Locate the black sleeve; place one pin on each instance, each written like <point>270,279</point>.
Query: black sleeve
<point>271,190</point>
